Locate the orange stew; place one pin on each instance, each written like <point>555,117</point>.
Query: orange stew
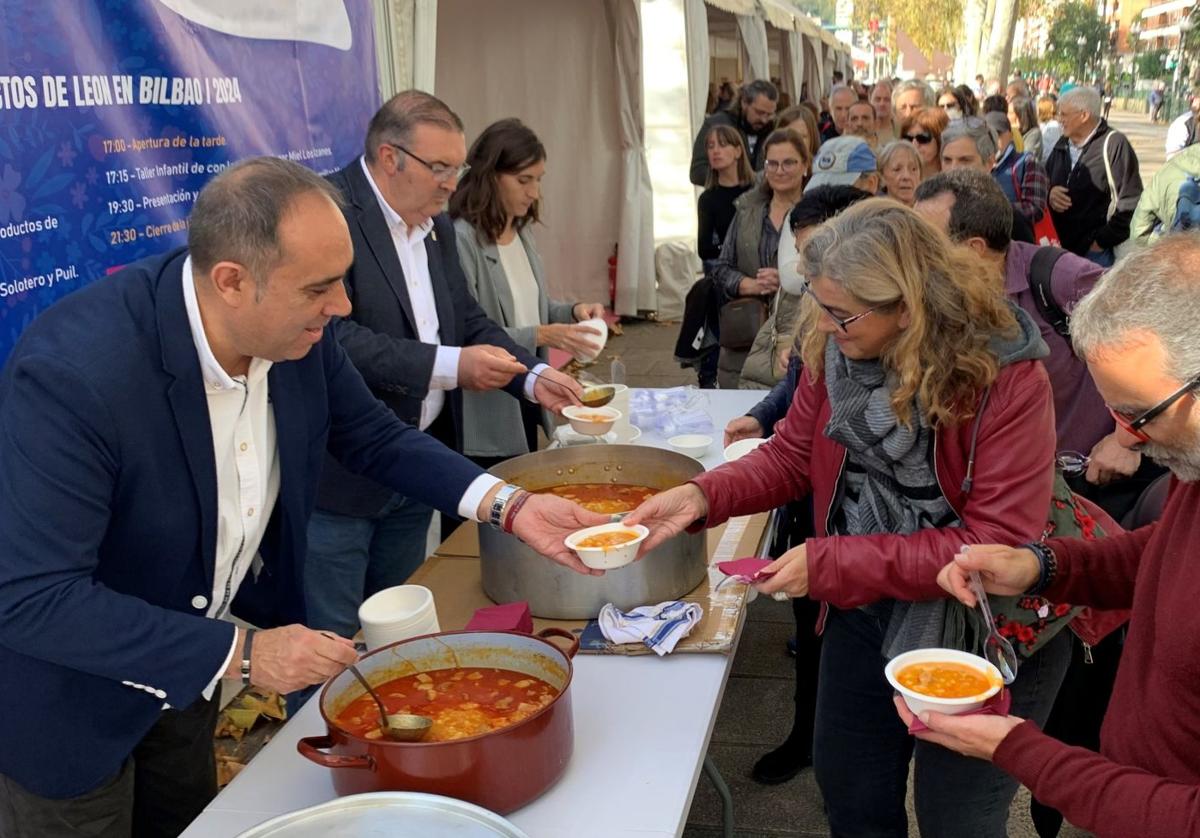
<point>608,539</point>
<point>462,702</point>
<point>943,679</point>
<point>593,417</point>
<point>605,498</point>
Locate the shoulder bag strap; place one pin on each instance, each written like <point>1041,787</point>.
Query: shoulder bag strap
<point>1041,273</point>
<point>1112,184</point>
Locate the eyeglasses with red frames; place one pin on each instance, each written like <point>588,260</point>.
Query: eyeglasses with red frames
<point>1133,425</point>
<point>841,323</point>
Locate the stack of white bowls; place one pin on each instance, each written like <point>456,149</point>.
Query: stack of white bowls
<point>396,614</point>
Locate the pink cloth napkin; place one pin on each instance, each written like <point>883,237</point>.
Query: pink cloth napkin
<point>512,616</point>
<point>748,570</point>
<point>997,705</point>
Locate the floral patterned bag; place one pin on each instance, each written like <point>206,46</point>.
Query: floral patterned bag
<point>1030,621</point>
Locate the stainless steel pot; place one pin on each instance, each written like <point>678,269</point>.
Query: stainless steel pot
<point>513,572</point>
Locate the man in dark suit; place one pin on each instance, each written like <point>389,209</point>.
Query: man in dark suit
<point>418,336</point>
<point>161,433</point>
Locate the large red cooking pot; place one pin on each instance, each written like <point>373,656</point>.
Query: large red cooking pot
<point>501,770</point>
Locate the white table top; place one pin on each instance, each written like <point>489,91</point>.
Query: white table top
<point>642,726</point>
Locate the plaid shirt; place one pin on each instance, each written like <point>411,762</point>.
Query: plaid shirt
<point>1028,181</point>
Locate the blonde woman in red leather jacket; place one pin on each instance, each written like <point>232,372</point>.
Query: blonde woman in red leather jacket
<point>923,420</point>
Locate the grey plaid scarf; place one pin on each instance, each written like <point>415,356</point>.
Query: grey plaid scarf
<point>889,486</point>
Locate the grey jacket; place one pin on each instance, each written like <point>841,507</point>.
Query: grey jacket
<point>492,424</point>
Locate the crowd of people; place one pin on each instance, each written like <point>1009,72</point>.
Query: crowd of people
<point>962,371</point>
<point>913,317</point>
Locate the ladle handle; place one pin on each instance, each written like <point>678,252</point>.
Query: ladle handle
<point>371,692</point>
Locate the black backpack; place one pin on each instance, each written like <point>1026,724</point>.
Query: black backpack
<point>1041,270</point>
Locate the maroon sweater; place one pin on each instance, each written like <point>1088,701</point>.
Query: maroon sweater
<point>1145,781</point>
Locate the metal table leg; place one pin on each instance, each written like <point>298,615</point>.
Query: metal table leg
<point>710,768</point>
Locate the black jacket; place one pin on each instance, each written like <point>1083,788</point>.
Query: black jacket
<point>699,170</point>
<point>1087,183</point>
<point>380,335</point>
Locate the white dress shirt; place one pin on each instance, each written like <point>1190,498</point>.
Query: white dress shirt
<point>414,261</point>
<point>246,454</point>
<point>247,460</point>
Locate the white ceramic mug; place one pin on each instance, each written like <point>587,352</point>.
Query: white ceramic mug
<point>398,613</point>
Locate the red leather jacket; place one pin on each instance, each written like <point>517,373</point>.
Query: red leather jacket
<point>995,470</point>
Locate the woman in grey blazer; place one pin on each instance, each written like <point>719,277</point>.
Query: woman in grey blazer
<point>496,201</point>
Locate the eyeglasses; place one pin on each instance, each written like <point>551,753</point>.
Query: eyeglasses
<point>920,139</point>
<point>789,165</point>
<point>1133,425</point>
<point>440,171</point>
<point>843,324</point>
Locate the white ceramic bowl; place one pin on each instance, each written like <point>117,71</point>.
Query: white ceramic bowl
<point>607,558</point>
<point>599,341</point>
<point>694,445</point>
<point>919,702</point>
<point>739,449</point>
<point>591,421</point>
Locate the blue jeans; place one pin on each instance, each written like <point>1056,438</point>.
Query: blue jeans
<point>351,558</point>
<point>1103,258</point>
<point>862,750</point>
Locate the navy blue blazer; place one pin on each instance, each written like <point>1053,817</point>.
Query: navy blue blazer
<point>108,516</point>
<point>380,336</point>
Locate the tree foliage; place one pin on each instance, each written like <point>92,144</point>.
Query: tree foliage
<point>1153,64</point>
<point>1078,37</point>
<point>933,25</point>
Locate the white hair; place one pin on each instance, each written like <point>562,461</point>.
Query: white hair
<point>928,97</point>
<point>898,147</point>
<point>839,88</point>
<point>1154,291</point>
<point>1084,98</point>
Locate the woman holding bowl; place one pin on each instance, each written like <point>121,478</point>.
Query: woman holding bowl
<point>922,421</point>
<point>496,203</point>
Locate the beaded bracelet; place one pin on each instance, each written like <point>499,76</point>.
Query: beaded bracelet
<point>1047,565</point>
<point>514,506</point>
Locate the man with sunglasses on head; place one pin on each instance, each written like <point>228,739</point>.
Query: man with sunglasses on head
<point>1140,335</point>
<point>417,336</point>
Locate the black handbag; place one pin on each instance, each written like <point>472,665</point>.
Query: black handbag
<point>741,320</point>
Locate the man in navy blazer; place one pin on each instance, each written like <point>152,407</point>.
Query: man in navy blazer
<point>161,436</point>
<point>418,337</point>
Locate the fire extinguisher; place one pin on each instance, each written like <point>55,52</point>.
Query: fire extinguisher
<point>612,279</point>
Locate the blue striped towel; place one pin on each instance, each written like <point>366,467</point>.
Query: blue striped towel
<point>658,626</point>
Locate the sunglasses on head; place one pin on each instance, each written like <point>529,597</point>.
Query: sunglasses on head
<point>922,139</point>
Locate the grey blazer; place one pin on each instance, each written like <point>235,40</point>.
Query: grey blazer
<point>492,424</point>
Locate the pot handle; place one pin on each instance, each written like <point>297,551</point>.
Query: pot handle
<point>309,747</point>
<point>570,651</point>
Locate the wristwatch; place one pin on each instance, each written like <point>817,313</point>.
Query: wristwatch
<point>496,513</point>
<point>249,641</point>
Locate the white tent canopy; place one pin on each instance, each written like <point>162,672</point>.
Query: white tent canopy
<point>574,73</point>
